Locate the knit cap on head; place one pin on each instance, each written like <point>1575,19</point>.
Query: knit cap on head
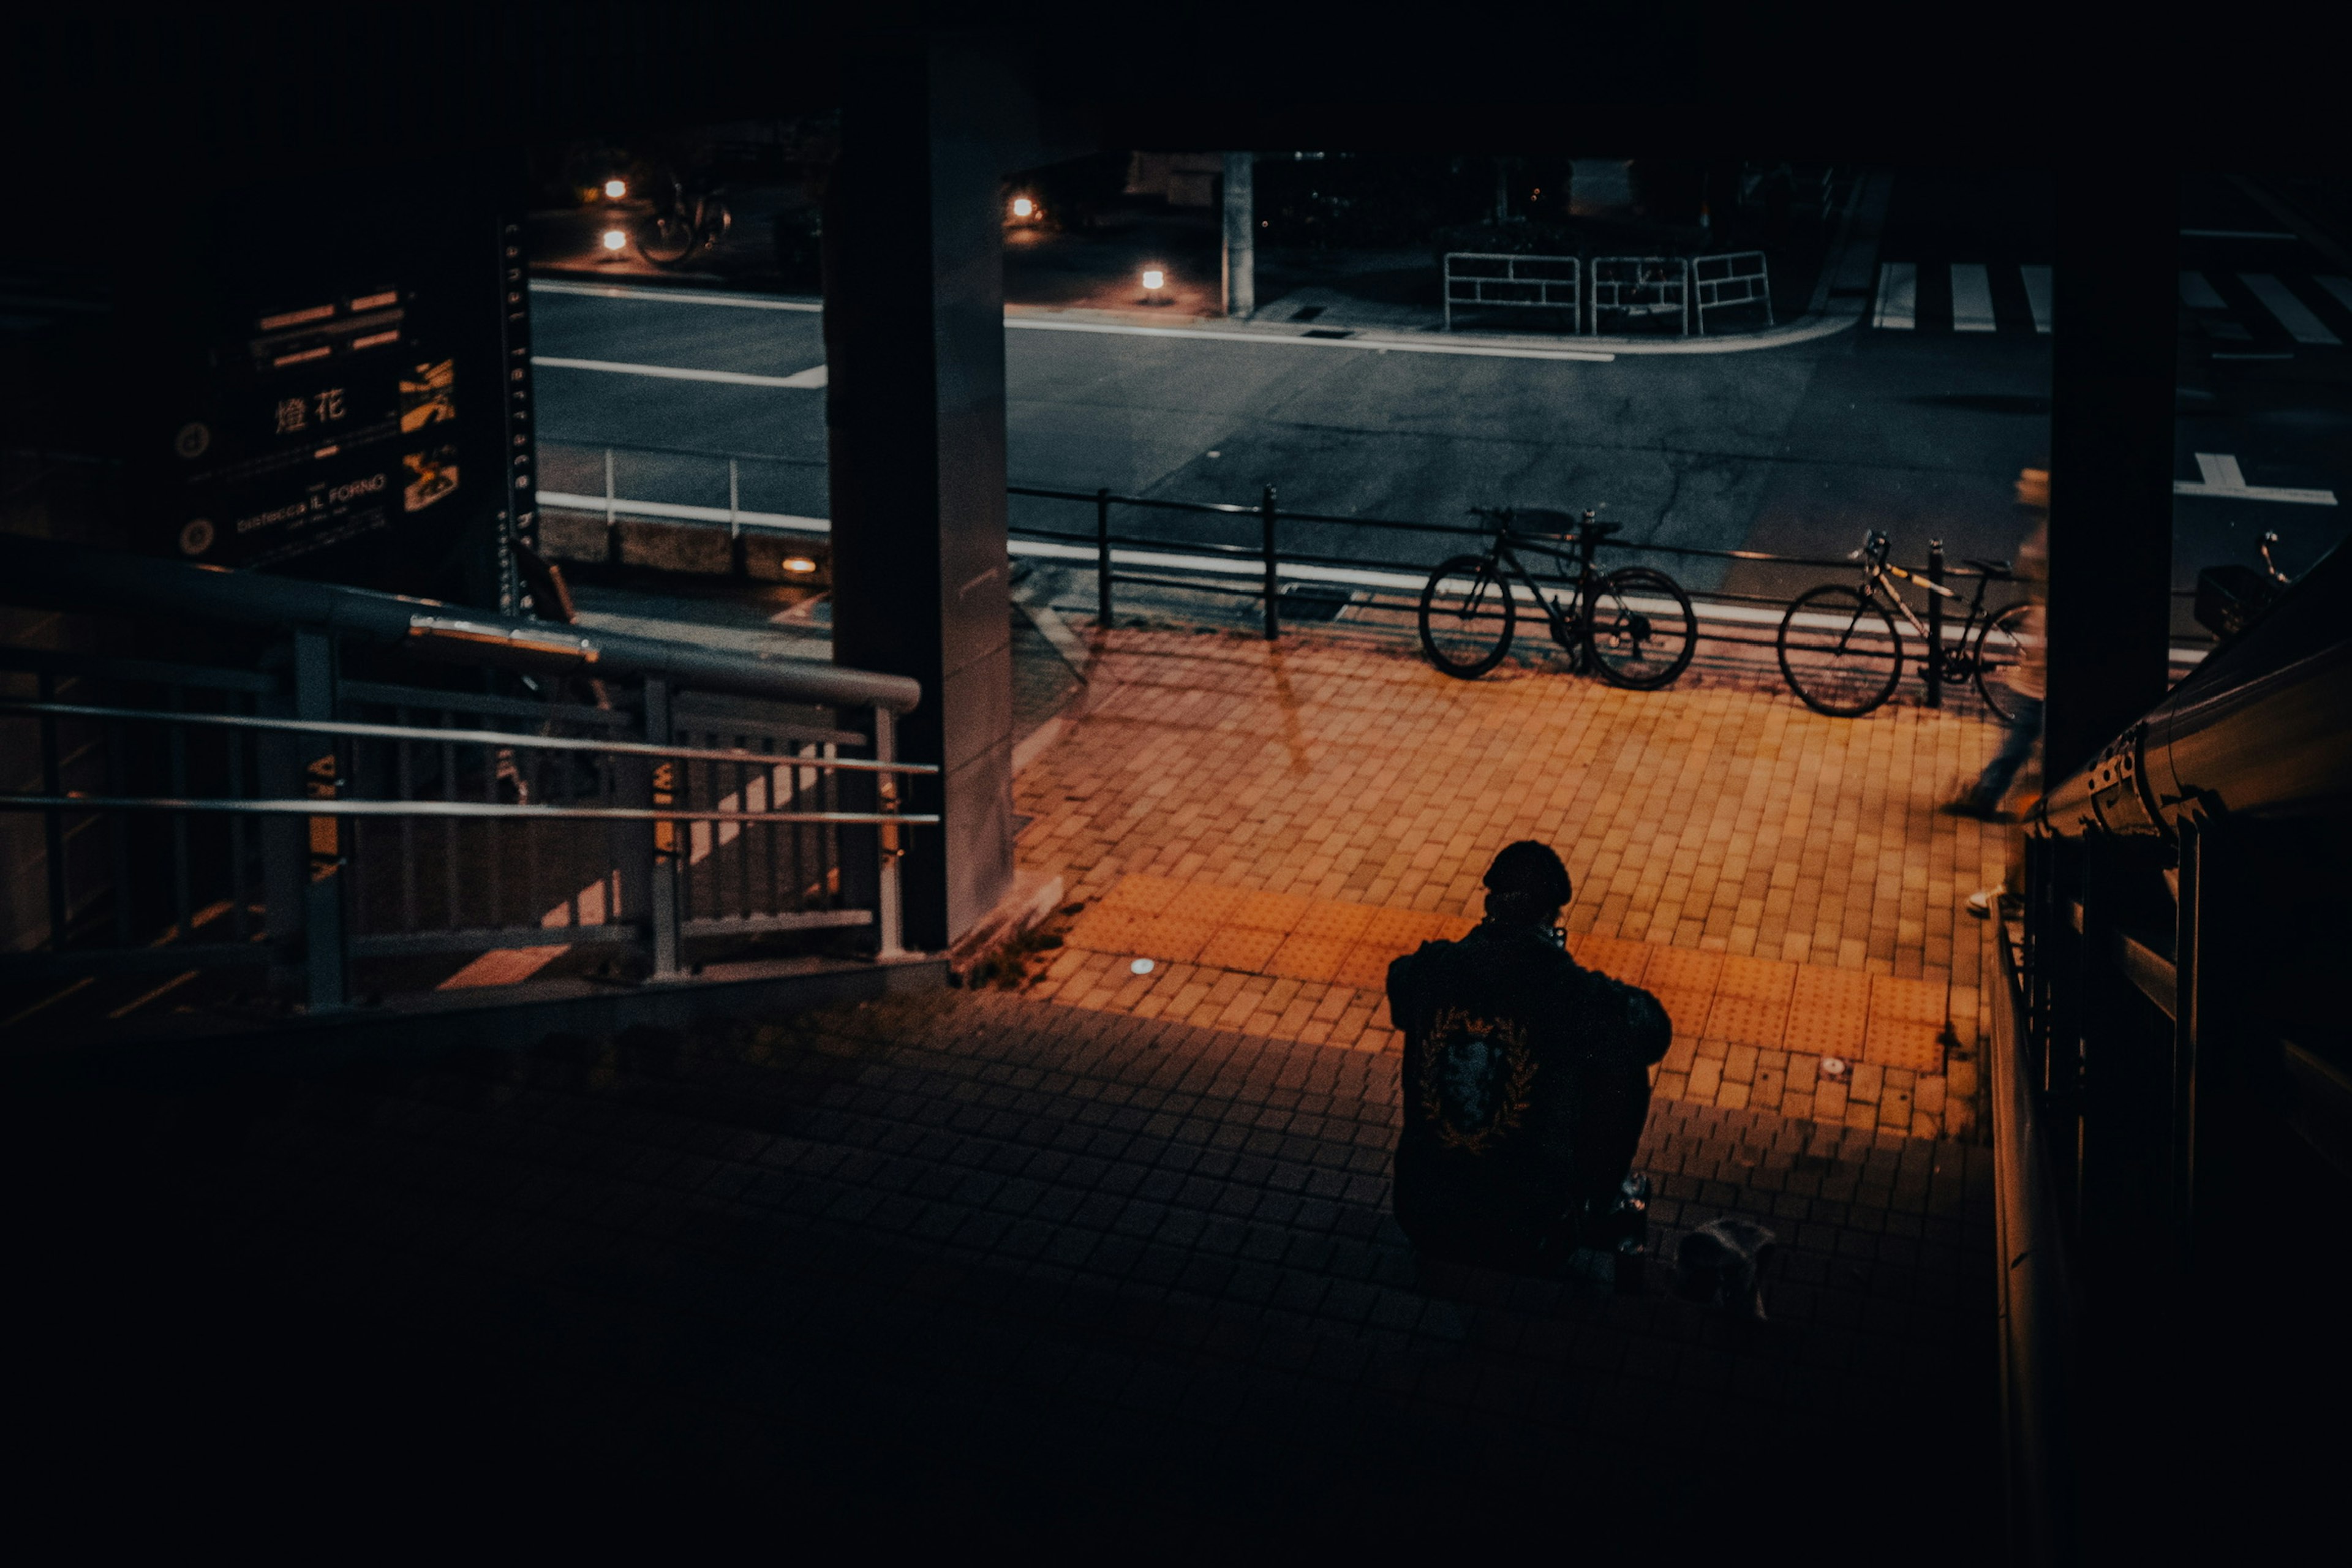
<point>1531,870</point>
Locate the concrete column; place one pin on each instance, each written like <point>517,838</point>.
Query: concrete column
<point>914,308</point>
<point>2111,420</point>
<point>1241,235</point>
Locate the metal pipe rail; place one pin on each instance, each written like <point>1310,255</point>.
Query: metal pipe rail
<point>311,819</point>
<point>67,576</point>
<point>2176,1053</point>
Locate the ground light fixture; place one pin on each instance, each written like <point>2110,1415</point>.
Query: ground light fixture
<point>1023,206</point>
<point>616,189</point>
<point>1154,281</point>
<point>799,565</point>
<point>614,239</point>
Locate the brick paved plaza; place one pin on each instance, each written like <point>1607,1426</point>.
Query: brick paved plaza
<point>1110,1260</point>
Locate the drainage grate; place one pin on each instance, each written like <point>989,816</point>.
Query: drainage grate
<point>1314,602</point>
<point>1328,333</point>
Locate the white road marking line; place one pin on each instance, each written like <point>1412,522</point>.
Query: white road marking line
<point>2292,313</point>
<point>812,377</point>
<point>674,296</point>
<point>781,521</point>
<point>2220,477</point>
<point>2197,293</point>
<point>1287,339</point>
<point>1898,296</point>
<point>2037,295</point>
<point>2339,288</point>
<point>1972,298</point>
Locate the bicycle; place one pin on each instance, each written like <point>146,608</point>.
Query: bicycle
<point>684,224</point>
<point>1841,654</point>
<point>1634,627</point>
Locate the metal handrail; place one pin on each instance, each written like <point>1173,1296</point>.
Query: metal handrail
<point>45,572</point>
<point>330,807</point>
<point>464,737</point>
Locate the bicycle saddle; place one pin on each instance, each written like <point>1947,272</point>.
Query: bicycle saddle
<point>1992,568</point>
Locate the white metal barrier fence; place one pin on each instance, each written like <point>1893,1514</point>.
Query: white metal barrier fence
<point>1479,278</point>
<point>1640,287</point>
<point>1720,282</point>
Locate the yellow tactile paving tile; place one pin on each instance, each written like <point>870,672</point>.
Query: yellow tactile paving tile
<point>1270,912</point>
<point>1678,969</point>
<point>1141,895</point>
<point>1750,979</point>
<point>1614,956</point>
<point>1343,923</point>
<point>1912,1001</point>
<point>1305,957</point>
<point>1364,967</point>
<point>1174,939</point>
<point>1743,1020</point>
<point>1240,949</point>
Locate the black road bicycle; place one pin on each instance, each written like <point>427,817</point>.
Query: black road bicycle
<point>1843,655</point>
<point>1632,627</point>
<point>684,224</point>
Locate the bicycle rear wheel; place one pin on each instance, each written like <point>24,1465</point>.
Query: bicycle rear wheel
<point>1839,651</point>
<point>2002,647</point>
<point>1642,630</point>
<point>1468,616</point>
<point>666,239</point>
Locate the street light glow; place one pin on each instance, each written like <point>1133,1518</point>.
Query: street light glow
<point>1023,206</point>
<point>616,189</point>
<point>1153,277</point>
<point>614,239</point>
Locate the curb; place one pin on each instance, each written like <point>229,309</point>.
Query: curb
<point>1805,329</point>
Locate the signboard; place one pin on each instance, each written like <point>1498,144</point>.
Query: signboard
<point>346,394</point>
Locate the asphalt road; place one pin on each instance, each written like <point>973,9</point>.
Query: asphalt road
<point>1918,430</point>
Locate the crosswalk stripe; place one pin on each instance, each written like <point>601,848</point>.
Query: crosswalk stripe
<point>1898,296</point>
<point>2037,295</point>
<point>2197,293</point>
<point>2339,288</point>
<point>1972,298</point>
<point>2292,313</point>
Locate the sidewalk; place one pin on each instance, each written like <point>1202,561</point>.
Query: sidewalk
<point>1270,823</point>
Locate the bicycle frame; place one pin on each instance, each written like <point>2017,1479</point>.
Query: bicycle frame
<point>1876,568</point>
<point>1575,550</point>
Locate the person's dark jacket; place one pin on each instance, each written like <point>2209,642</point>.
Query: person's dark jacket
<point>1525,1078</point>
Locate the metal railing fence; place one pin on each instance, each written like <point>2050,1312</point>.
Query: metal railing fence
<point>348,805</point>
<point>1639,287</point>
<point>1727,281</point>
<point>1476,279</point>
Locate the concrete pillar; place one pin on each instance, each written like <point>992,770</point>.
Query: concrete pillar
<point>2111,420</point>
<point>914,327</point>
<point>1241,235</point>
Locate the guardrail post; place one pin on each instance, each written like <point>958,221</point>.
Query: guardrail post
<point>667,849</point>
<point>736,554</point>
<point>1934,624</point>
<point>1273,602</point>
<point>324,959</point>
<point>612,515</point>
<point>1102,558</point>
<point>888,909</point>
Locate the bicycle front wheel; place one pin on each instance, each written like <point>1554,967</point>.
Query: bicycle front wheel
<point>1839,651</point>
<point>664,240</point>
<point>1468,616</point>
<point>1642,630</point>
<point>2002,647</point>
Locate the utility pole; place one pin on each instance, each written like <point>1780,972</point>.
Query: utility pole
<point>1240,237</point>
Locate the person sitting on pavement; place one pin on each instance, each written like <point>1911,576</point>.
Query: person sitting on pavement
<point>1526,1081</point>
